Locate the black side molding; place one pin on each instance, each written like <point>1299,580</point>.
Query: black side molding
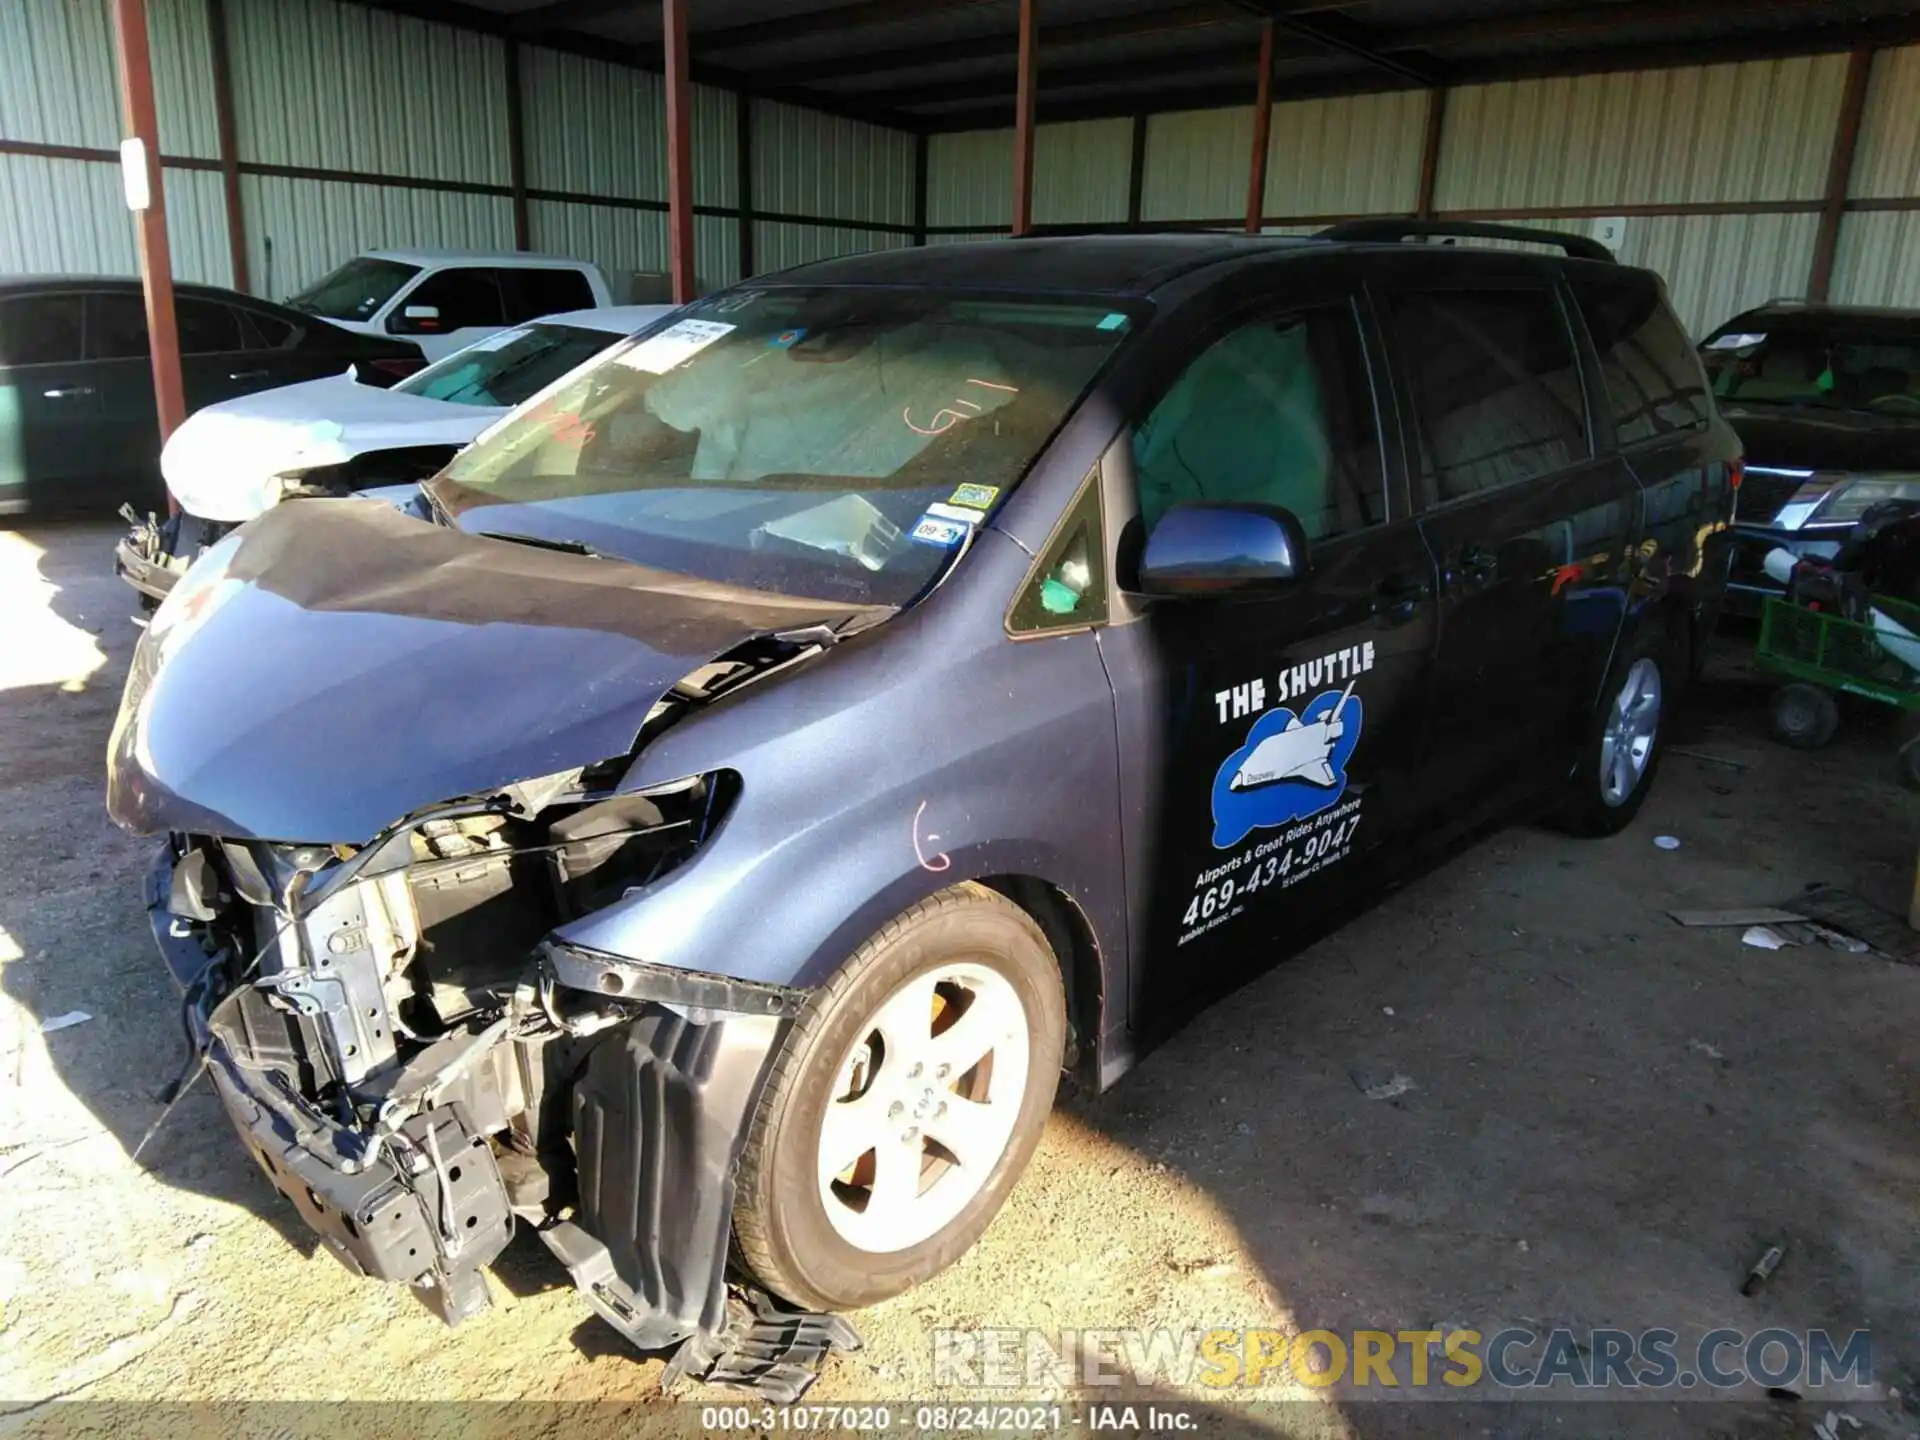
<point>1389,232</point>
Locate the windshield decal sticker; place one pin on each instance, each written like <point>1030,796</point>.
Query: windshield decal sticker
<point>678,342</point>
<point>934,531</point>
<point>981,497</point>
<point>1736,340</point>
<point>955,512</point>
<point>787,339</point>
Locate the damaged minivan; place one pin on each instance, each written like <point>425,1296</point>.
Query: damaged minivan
<point>707,823</point>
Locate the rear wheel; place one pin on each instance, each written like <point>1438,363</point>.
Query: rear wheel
<point>1803,716</point>
<point>906,1102</point>
<point>1623,744</point>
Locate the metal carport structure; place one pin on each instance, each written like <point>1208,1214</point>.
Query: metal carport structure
<point>1749,148</point>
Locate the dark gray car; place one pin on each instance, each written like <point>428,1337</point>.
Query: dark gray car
<point>710,822</point>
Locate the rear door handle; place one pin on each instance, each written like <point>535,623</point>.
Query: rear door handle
<point>68,392</point>
<point>247,375</point>
<point>1477,562</point>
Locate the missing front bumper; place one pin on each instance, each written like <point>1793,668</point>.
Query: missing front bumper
<point>624,1160</point>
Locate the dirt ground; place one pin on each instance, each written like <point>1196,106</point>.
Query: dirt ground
<point>1610,1118</point>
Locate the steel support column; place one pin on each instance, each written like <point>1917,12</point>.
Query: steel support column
<point>679,151</point>
<point>1430,151</point>
<point>1023,118</point>
<point>156,267</point>
<point>222,68</point>
<point>1846,140</point>
<point>1262,128</point>
<point>517,150</point>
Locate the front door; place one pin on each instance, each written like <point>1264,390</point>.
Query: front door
<point>49,405</point>
<point>1529,530</point>
<point>1268,740</point>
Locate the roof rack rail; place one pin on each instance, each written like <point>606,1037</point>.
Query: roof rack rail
<point>1578,247</point>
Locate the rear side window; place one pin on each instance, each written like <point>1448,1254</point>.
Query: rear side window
<point>1279,412</point>
<point>1494,384</point>
<point>40,330</point>
<point>206,328</point>
<point>266,331</point>
<point>1653,377</point>
<point>463,298</point>
<point>530,294</point>
<point>116,326</point>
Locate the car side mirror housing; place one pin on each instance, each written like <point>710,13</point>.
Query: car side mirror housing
<point>1206,549</point>
<point>415,320</point>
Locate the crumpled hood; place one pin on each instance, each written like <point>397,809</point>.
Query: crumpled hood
<point>219,463</point>
<point>337,665</point>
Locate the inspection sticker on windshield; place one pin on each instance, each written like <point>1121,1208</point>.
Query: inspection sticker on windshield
<point>954,512</point>
<point>934,531</point>
<point>682,341</point>
<point>979,496</point>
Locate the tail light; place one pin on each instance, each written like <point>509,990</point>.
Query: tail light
<point>1736,472</point>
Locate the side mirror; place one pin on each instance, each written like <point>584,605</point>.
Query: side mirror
<point>1204,549</point>
<point>415,320</point>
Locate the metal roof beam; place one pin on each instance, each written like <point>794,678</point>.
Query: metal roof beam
<point>1348,37</point>
<point>1210,61</point>
<point>1179,19</point>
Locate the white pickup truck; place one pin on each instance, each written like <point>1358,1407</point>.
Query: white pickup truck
<point>443,300</point>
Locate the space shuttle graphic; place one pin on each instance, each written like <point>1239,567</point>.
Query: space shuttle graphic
<point>1302,751</point>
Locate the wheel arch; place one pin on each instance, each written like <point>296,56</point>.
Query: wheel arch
<point>1082,971</point>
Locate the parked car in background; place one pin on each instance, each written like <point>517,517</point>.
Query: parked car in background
<point>1827,399</point>
<point>709,821</point>
<point>78,425</point>
<point>443,300</point>
<point>335,436</point>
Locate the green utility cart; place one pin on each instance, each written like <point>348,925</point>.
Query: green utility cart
<point>1819,653</point>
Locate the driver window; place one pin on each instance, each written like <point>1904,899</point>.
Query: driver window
<point>1278,412</point>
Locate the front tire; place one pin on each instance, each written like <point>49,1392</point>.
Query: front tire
<point>904,1106</point>
<point>1624,743</point>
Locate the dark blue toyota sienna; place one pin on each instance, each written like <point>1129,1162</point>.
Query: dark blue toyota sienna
<point>705,820</point>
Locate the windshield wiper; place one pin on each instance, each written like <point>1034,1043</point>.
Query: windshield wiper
<point>543,542</point>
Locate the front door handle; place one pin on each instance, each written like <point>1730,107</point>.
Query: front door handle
<point>1396,599</point>
<point>68,392</point>
<point>247,375</point>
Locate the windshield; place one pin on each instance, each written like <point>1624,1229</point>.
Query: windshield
<point>355,291</point>
<point>1840,370</point>
<point>508,367</point>
<point>840,442</point>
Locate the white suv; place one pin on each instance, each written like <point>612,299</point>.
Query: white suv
<point>445,299</point>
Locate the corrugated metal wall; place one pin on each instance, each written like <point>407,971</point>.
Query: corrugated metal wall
<point>1878,261</point>
<point>338,106</point>
<point>349,117</point>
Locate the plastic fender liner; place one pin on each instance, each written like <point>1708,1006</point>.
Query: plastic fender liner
<point>660,1113</point>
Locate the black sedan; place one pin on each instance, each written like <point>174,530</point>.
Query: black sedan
<point>78,428</point>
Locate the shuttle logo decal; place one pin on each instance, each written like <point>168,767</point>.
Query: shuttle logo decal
<point>1292,766</point>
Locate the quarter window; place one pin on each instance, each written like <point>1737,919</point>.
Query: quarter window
<point>1279,412</point>
<point>1495,387</point>
<point>40,330</point>
<point>1653,377</point>
<point>1068,589</point>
